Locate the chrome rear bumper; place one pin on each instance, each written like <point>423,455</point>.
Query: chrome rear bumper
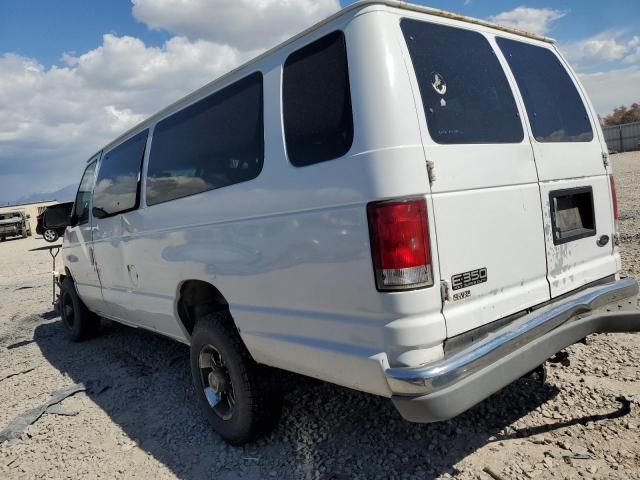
<point>445,388</point>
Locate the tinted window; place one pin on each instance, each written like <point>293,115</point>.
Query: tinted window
<point>465,93</point>
<point>554,108</point>
<point>318,122</point>
<point>117,187</point>
<point>83,197</point>
<point>57,215</point>
<point>213,143</point>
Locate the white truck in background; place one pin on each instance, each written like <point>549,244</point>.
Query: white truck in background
<point>14,223</point>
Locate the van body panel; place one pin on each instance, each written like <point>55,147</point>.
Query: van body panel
<point>567,165</point>
<point>502,234</point>
<point>488,217</point>
<point>582,261</point>
<point>78,251</point>
<point>290,249</point>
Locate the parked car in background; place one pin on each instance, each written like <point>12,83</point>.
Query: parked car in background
<point>399,200</point>
<point>53,221</point>
<point>14,224</point>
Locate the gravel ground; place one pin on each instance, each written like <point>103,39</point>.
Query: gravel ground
<point>138,418</point>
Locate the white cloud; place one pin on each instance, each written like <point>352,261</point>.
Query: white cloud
<point>634,46</point>
<point>246,24</point>
<point>601,48</point>
<point>535,20</point>
<point>51,120</point>
<point>612,88</point>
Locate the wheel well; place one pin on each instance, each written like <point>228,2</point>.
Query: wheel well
<point>197,298</point>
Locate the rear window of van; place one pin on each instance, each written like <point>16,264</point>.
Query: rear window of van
<point>554,107</point>
<point>465,93</point>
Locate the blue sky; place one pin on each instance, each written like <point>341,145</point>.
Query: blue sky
<point>76,73</point>
<point>26,26</point>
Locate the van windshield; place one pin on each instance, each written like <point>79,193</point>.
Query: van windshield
<point>465,93</point>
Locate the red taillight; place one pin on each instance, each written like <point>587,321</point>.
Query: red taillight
<point>614,197</point>
<point>400,244</point>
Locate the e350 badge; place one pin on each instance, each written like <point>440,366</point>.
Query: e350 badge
<point>468,279</point>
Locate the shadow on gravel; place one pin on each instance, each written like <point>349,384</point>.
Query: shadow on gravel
<point>625,409</point>
<point>50,315</point>
<point>12,239</point>
<point>142,381</point>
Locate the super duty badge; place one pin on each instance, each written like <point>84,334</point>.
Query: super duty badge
<point>467,279</point>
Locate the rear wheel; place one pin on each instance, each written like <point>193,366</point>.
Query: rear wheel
<point>50,235</point>
<point>24,234</point>
<point>240,398</point>
<point>81,323</point>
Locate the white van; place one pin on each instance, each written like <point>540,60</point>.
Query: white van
<point>399,200</point>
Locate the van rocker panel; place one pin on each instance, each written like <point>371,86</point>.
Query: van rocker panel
<point>444,389</point>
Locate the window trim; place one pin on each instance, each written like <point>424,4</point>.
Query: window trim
<point>153,127</point>
<point>282,112</point>
<point>138,183</point>
<point>95,159</point>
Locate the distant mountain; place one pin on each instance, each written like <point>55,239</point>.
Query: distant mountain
<point>65,194</point>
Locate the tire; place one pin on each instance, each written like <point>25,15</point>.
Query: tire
<point>50,235</point>
<point>81,323</point>
<point>249,400</point>
<point>24,234</point>
<point>2,239</point>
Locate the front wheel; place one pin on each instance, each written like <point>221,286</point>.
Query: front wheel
<point>50,235</point>
<point>81,323</point>
<point>240,398</point>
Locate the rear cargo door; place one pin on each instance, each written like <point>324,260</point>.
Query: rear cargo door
<point>574,185</point>
<point>485,189</point>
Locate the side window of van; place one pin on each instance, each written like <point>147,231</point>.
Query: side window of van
<point>554,107</point>
<point>465,92</point>
<point>117,187</point>
<point>316,98</point>
<point>83,197</point>
<point>216,142</point>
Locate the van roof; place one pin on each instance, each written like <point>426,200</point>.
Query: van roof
<point>354,6</point>
<point>446,14</point>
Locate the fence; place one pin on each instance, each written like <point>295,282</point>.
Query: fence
<point>622,138</point>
